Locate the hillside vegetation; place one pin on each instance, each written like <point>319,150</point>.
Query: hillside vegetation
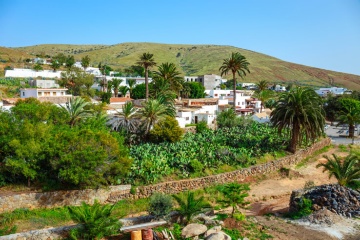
<point>200,59</point>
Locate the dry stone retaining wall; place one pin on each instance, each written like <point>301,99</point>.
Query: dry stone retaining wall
<point>116,193</point>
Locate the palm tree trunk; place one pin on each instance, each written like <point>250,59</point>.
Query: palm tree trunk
<point>234,91</point>
<point>351,130</point>
<point>295,131</point>
<point>146,85</point>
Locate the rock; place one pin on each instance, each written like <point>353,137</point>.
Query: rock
<point>218,236</point>
<point>212,230</point>
<point>193,230</point>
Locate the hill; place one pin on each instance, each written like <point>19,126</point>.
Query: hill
<point>201,59</point>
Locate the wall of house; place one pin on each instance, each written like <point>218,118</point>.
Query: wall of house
<point>27,93</point>
<point>29,73</point>
<point>186,116</point>
<point>113,194</point>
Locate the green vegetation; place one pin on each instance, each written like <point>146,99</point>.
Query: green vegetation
<point>190,205</point>
<point>234,195</point>
<point>301,110</point>
<point>146,61</point>
<point>160,205</point>
<point>304,209</point>
<point>345,170</point>
<point>95,221</point>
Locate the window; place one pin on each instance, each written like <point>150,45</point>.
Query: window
<point>54,93</point>
<point>23,93</point>
<point>62,93</point>
<point>40,93</point>
<point>187,118</point>
<point>215,95</point>
<point>47,93</point>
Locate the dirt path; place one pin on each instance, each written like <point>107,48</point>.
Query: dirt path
<point>272,195</point>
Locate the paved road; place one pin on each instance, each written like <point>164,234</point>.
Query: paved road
<point>337,134</point>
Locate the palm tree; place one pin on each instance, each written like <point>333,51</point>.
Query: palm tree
<point>131,84</point>
<point>123,90</point>
<point>190,206</point>
<point>349,114</point>
<point>153,110</point>
<point>127,118</point>
<point>169,73</point>
<point>301,110</point>
<point>344,171</point>
<point>76,110</point>
<point>263,96</point>
<point>158,86</point>
<point>147,61</point>
<point>261,86</point>
<point>237,64</point>
<point>96,221</point>
<point>115,83</point>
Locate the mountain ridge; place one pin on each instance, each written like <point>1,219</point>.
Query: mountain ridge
<point>200,59</point>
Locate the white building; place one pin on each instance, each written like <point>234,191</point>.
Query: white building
<point>30,73</point>
<point>43,92</point>
<point>209,81</point>
<point>43,83</point>
<point>332,90</point>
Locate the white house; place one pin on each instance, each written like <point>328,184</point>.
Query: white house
<point>332,90</point>
<point>43,92</point>
<point>209,81</point>
<point>29,73</point>
<point>262,117</point>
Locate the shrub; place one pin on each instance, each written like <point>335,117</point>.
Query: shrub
<point>239,216</point>
<point>160,205</point>
<point>201,127</point>
<point>167,130</point>
<point>96,221</point>
<point>304,208</point>
<point>196,166</point>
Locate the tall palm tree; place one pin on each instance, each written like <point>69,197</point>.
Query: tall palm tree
<point>345,171</point>
<point>263,96</point>
<point>76,110</point>
<point>237,64</point>
<point>115,84</point>
<point>349,114</point>
<point>127,119</point>
<point>147,61</point>
<point>168,72</point>
<point>131,84</point>
<point>301,110</point>
<point>158,86</point>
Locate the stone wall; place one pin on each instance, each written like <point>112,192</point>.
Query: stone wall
<point>116,193</point>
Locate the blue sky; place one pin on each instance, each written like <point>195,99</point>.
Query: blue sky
<point>319,33</point>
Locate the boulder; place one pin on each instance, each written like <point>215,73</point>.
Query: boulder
<point>193,230</point>
<point>212,230</point>
<point>218,236</point>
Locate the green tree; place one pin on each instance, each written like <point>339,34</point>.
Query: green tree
<point>349,114</point>
<point>263,96</point>
<point>123,90</point>
<point>38,67</point>
<point>55,65</point>
<point>151,112</point>
<point>96,221</point>
<point>160,205</point>
<point>234,195</point>
<point>115,86</point>
<point>147,61</point>
<point>131,84</point>
<point>189,206</point>
<point>139,91</point>
<point>76,110</point>
<point>159,86</point>
<point>69,62</point>
<point>127,119</point>
<point>332,107</point>
<point>237,64</point>
<point>344,170</point>
<point>197,90</point>
<point>301,111</point>
<point>167,130</point>
<point>60,57</point>
<point>261,86</point>
<point>169,73</point>
<point>85,62</point>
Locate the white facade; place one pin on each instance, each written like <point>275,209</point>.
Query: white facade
<point>204,117</point>
<point>209,81</point>
<point>333,90</point>
<point>43,92</point>
<point>29,73</point>
<point>218,93</point>
<point>279,88</point>
<point>186,116</point>
<point>44,84</point>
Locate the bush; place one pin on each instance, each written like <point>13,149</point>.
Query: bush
<point>167,130</point>
<point>160,205</point>
<point>304,209</point>
<point>196,166</point>
<point>96,221</point>
<point>201,127</point>
<point>239,216</point>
